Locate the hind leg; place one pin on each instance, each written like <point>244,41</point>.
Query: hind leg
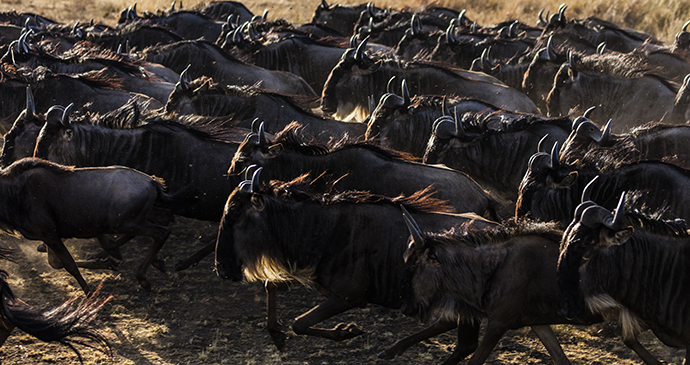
<point>158,235</point>
<point>548,338</point>
<point>59,257</point>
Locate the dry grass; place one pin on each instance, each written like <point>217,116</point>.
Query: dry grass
<point>661,18</point>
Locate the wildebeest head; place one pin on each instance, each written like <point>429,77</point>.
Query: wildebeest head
<point>424,277</point>
<point>354,62</point>
<point>593,228</point>
<point>20,140</point>
<point>54,135</point>
<point>255,148</point>
<point>241,204</point>
<point>187,93</point>
<point>538,78</point>
<point>545,175</point>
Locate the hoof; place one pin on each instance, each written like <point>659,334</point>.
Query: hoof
<point>348,331</point>
<point>110,263</point>
<point>41,248</point>
<point>182,265</point>
<point>159,264</point>
<point>278,338</point>
<point>145,284</point>
<point>384,355</point>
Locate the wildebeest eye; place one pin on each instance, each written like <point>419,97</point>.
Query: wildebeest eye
<point>432,256</point>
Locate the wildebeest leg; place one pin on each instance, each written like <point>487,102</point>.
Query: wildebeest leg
<point>59,257</point>
<point>331,306</point>
<point>272,324</point>
<point>158,235</point>
<point>196,257</point>
<point>468,339</point>
<point>548,338</point>
<point>110,247</point>
<point>492,335</point>
<point>6,328</point>
<point>403,344</point>
<point>642,352</point>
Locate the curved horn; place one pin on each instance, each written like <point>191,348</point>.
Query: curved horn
<point>555,162</point>
<point>264,15</point>
<point>182,83</point>
<point>248,172</point>
<point>22,42</point>
<point>587,191</point>
<point>359,53</point>
<point>512,30</point>
<point>450,38</point>
<point>324,4</point>
<point>589,111</point>
<point>561,13</point>
<point>405,93</point>
<point>461,17</point>
<point>550,50</point>
<point>30,106</point>
<point>255,180</point>
<point>685,26</point>
<point>389,86</point>
<point>253,33</point>
<point>606,134</point>
<point>601,48</point>
<point>540,145</point>
<point>617,222</point>
<point>412,226</point>
<point>370,9</point>
<point>55,113</point>
<point>444,107</point>
<point>66,121</point>
<point>542,22</point>
<point>255,126</point>
<point>262,135</point>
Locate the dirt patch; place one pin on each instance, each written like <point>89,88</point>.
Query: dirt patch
<point>194,317</point>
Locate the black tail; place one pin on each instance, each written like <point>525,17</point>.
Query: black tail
<point>69,324</point>
<point>176,201</point>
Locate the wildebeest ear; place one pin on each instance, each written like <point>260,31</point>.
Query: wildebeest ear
<point>568,179</point>
<point>257,202</point>
<point>620,237</point>
<point>275,150</point>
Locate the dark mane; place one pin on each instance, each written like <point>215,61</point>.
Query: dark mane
<point>291,139</point>
<point>500,233</point>
<point>247,91</point>
<point>299,190</point>
<point>29,163</point>
<point>502,121</point>
<point>602,159</point>
<point>650,128</point>
<point>660,221</point>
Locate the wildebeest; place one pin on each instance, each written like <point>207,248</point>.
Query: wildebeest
<point>47,202</point>
<point>610,86</point>
<point>342,17</point>
<point>653,141</point>
<point>220,10</point>
<point>205,58</point>
<point>20,140</point>
<point>349,245</point>
<point>95,90</point>
<point>630,266</point>
<point>503,273</point>
<point>406,123</point>
<point>357,76</point>
<point>551,190</point>
<point>244,104</point>
<point>493,147</point>
<point>358,166</point>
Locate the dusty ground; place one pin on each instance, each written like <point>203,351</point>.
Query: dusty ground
<point>193,317</point>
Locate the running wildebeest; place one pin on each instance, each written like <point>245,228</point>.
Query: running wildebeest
<point>349,245</point>
<point>47,202</point>
<point>628,265</point>
<point>359,166</point>
<point>504,273</point>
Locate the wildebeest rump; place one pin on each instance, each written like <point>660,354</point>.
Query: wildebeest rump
<point>46,201</point>
<point>359,166</point>
<point>349,245</point>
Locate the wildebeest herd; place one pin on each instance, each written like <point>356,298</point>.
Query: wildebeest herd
<point>468,175</point>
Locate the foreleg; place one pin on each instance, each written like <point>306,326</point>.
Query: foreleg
<point>59,257</point>
<point>403,344</point>
<point>272,324</point>
<point>331,306</point>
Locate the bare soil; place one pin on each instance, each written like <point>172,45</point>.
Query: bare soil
<point>194,317</point>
